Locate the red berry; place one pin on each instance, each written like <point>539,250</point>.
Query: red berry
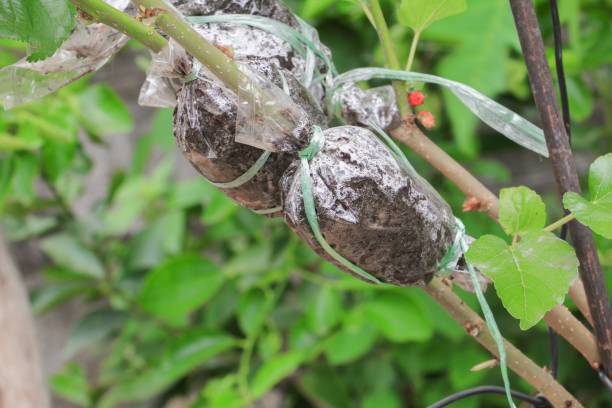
<point>427,119</point>
<point>416,98</point>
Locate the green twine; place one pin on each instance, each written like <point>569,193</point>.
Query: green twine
<point>316,143</point>
<point>248,175</point>
<point>296,39</point>
<point>489,318</point>
<point>195,71</point>
<point>299,42</point>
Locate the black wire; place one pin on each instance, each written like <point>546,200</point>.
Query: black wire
<point>554,352</point>
<point>490,389</point>
<point>565,110</point>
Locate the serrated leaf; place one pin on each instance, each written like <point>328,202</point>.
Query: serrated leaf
<point>180,357</point>
<point>399,318</point>
<point>531,277</point>
<point>274,370</point>
<point>494,39</point>
<point>42,24</point>
<point>179,286</point>
<point>420,14</point>
<point>520,210</point>
<point>103,111</point>
<point>595,213</point>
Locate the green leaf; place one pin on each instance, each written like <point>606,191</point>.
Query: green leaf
<point>65,250</point>
<point>49,295</point>
<point>164,236</point>
<point>387,399</point>
<point>71,384</point>
<point>324,310</point>
<point>494,39</point>
<point>328,386</point>
<point>420,14</point>
<point>180,357</point>
<point>531,277</point>
<point>93,328</point>
<point>274,370</point>
<point>595,213</point>
<point>179,286</point>
<point>43,24</point>
<point>350,343</point>
<point>18,229</point>
<point>103,111</point>
<point>520,210</point>
<point>399,318</point>
<point>252,311</point>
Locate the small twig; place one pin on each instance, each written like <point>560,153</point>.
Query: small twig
<point>413,47</point>
<point>564,168</point>
<point>522,365</point>
<point>409,134</point>
<point>559,223</point>
<point>107,14</point>
<point>380,25</point>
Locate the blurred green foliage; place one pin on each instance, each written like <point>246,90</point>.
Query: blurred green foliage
<point>189,295</point>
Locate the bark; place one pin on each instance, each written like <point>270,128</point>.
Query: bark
<point>22,383</point>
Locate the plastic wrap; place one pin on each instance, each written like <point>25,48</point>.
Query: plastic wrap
<point>363,107</point>
<point>244,38</point>
<point>87,49</point>
<point>373,211</point>
<point>500,118</point>
<point>267,8</point>
<point>205,124</point>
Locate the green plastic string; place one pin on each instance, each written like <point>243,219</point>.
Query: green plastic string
<point>297,40</point>
<point>318,139</point>
<point>395,149</point>
<point>489,318</point>
<point>500,118</point>
<point>497,116</point>
<point>248,175</point>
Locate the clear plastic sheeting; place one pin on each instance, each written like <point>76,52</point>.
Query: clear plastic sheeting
<point>500,118</point>
<point>363,107</point>
<point>371,209</point>
<point>269,119</point>
<point>87,49</point>
<point>247,38</point>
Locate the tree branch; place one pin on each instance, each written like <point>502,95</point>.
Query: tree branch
<point>409,134</point>
<point>522,365</point>
<point>564,168</point>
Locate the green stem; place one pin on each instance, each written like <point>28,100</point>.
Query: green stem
<point>413,47</point>
<point>245,367</point>
<point>558,224</point>
<point>49,129</point>
<point>104,13</point>
<point>380,25</point>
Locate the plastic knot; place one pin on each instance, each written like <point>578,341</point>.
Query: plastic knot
<point>316,143</point>
<point>195,72</point>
